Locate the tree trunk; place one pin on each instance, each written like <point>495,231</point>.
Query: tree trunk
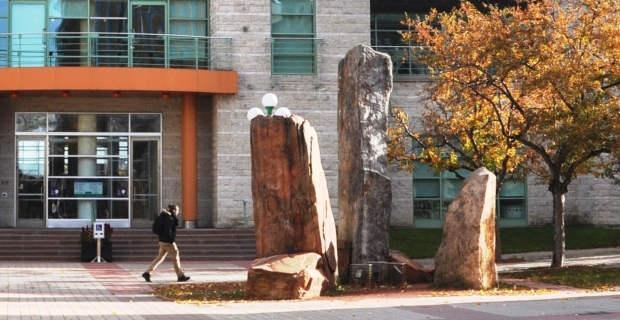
<point>558,228</point>
<point>498,242</point>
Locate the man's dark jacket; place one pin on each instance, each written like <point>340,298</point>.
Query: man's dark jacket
<point>171,222</point>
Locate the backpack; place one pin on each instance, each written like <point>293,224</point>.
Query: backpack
<point>158,225</point>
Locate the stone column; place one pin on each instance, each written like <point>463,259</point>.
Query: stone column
<point>87,146</point>
<point>364,185</point>
<point>189,161</point>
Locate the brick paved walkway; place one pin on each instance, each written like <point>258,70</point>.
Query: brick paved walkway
<point>117,291</point>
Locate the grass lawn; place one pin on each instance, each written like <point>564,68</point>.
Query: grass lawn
<point>596,278</point>
<point>423,243</point>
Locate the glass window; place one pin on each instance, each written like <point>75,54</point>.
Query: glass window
<point>188,9</point>
<point>108,9</point>
<point>30,122</point>
<point>512,189</point>
<point>71,122</point>
<point>513,209</point>
<point>67,208</point>
<point>67,122</point>
<point>31,155</point>
<point>189,28</point>
<point>292,29</point>
<point>293,25</point>
<point>385,37</point>
<point>385,27</point>
<point>512,204</point>
<point>434,193</point>
<point>4,9</point>
<point>423,171</point>
<point>145,123</point>
<point>427,188</point>
<point>68,9</point>
<point>67,18</point>
<point>189,18</point>
<point>451,188</point>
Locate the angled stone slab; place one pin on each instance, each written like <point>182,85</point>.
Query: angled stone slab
<point>466,257</point>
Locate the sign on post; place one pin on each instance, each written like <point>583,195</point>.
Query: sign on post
<point>99,232</point>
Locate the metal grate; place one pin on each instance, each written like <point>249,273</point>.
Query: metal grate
<point>377,272</point>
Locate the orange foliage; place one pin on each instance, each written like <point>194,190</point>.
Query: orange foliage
<point>537,82</point>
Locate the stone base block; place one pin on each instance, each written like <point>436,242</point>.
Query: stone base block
<point>286,277</point>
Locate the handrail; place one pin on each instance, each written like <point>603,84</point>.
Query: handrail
<point>115,33</point>
<point>95,49</point>
<point>245,217</point>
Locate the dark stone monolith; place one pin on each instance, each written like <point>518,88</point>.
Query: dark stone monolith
<point>364,186</point>
<point>292,211</point>
<point>466,257</point>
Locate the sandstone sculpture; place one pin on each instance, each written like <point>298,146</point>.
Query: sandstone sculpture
<point>364,186</point>
<point>292,212</point>
<point>466,257</point>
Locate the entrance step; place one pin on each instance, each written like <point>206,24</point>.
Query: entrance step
<point>129,245</point>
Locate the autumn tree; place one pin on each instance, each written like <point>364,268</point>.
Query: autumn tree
<point>546,73</point>
<point>449,140</point>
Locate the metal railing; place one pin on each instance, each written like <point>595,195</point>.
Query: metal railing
<point>73,49</point>
<point>406,59</point>
<point>246,207</point>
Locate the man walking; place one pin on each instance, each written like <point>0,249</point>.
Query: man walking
<point>166,224</point>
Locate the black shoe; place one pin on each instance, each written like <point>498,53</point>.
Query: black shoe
<point>147,276</point>
<point>182,278</point>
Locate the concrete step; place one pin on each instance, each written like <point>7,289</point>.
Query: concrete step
<point>63,245</point>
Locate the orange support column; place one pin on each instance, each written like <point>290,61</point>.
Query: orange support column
<point>189,161</point>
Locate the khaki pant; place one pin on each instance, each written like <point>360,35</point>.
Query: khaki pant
<point>166,248</point>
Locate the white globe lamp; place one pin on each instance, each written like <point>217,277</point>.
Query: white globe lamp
<point>254,112</point>
<point>284,112</point>
<point>270,101</point>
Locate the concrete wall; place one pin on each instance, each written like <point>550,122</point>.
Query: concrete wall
<point>340,25</point>
<point>589,200</point>
<point>406,95</point>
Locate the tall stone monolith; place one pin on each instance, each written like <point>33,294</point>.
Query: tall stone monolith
<point>364,185</point>
<point>466,257</point>
<point>292,210</point>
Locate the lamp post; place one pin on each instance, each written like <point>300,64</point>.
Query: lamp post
<point>269,101</point>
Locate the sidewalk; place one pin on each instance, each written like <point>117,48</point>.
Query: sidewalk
<point>117,291</point>
<point>605,256</point>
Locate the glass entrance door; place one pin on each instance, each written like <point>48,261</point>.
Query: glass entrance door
<point>28,43</point>
<point>30,182</point>
<point>76,168</point>
<point>145,184</point>
<point>148,22</point>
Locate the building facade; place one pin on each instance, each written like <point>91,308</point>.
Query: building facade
<point>113,109</point>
